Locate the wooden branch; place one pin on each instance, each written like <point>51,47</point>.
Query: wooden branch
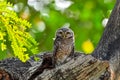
<point>83,67</point>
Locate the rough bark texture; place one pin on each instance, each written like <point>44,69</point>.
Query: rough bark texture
<point>110,34</point>
<point>81,67</point>
<point>109,45</point>
<point>13,68</point>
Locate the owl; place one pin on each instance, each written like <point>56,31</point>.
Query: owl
<point>63,45</point>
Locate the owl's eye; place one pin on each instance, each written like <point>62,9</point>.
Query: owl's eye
<point>67,32</point>
<point>60,32</point>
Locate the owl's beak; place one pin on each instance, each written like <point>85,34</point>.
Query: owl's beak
<point>64,36</point>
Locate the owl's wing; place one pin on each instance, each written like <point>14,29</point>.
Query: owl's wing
<point>72,52</point>
<point>56,45</point>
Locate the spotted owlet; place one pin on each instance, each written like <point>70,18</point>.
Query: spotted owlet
<point>63,45</point>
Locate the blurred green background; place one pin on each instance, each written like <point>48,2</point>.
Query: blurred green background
<point>87,18</point>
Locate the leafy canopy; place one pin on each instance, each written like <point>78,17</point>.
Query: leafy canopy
<point>14,35</point>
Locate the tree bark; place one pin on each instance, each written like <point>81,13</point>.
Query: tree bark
<point>109,45</point>
<point>82,67</point>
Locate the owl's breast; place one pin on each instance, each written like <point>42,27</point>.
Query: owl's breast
<point>63,52</point>
<point>65,49</point>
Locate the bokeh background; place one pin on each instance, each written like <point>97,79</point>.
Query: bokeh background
<point>87,18</point>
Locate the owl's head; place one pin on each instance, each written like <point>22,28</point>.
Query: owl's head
<point>65,33</point>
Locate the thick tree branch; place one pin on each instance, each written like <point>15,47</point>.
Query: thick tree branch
<point>83,67</point>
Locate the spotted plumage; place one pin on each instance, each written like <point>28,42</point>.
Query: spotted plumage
<point>63,45</point>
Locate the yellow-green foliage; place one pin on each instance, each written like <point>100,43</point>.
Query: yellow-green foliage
<point>14,35</point>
